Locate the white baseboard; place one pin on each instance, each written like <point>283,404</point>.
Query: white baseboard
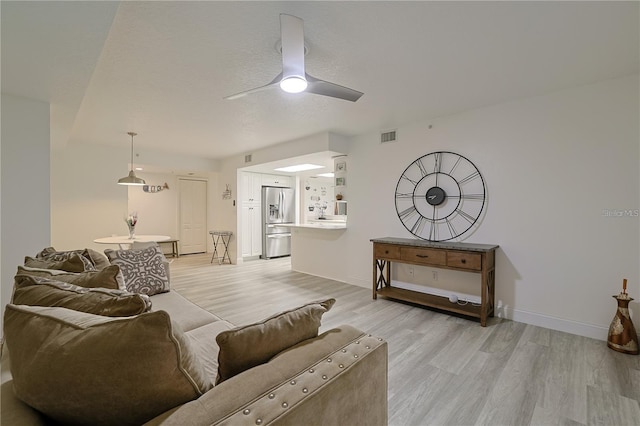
<point>554,323</point>
<point>533,318</point>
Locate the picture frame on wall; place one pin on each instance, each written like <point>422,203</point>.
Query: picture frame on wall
<point>341,166</point>
<point>341,181</point>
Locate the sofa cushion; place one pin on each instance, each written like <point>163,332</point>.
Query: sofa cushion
<point>109,277</point>
<point>251,345</point>
<point>143,270</point>
<point>183,312</point>
<point>203,342</point>
<point>79,368</point>
<point>73,263</point>
<point>39,291</point>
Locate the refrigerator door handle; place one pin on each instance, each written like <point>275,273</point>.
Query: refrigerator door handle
<point>283,205</point>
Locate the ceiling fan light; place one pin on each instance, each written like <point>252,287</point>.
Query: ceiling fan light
<point>293,84</point>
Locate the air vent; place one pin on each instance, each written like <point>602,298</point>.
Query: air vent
<point>390,136</point>
<point>247,158</point>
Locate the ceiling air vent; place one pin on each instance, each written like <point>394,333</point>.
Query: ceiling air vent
<point>390,136</point>
<point>247,158</point>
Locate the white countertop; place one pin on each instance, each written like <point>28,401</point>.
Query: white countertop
<point>328,225</point>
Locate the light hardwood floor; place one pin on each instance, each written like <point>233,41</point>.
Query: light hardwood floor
<point>443,370</point>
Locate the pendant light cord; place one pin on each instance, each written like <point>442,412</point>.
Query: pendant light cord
<point>132,135</point>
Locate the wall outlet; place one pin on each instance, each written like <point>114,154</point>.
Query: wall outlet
<point>435,275</point>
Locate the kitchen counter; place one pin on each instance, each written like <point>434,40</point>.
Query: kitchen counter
<point>319,248</point>
<point>328,225</point>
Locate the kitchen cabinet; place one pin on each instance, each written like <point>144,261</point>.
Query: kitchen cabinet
<point>251,240</point>
<point>277,180</point>
<point>251,187</point>
<point>251,230</point>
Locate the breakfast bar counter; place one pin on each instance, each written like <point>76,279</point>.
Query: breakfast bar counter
<point>319,225</point>
<point>319,248</point>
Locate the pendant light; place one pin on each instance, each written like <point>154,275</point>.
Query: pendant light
<point>131,179</point>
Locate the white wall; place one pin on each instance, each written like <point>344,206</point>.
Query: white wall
<point>25,196</point>
<point>157,211</point>
<point>86,201</point>
<point>552,164</point>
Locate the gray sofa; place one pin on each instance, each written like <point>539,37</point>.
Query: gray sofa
<point>338,377</point>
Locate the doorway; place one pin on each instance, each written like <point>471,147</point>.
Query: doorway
<point>192,215</point>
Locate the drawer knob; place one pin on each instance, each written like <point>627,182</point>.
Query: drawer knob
<point>463,260</point>
<point>386,252</point>
<point>424,256</point>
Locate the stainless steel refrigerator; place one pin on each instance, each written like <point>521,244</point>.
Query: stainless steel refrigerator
<point>278,208</point>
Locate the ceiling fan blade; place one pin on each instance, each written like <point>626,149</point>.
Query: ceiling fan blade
<point>292,35</point>
<point>325,88</point>
<point>293,78</point>
<point>272,83</point>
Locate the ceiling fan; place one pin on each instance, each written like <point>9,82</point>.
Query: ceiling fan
<point>293,78</point>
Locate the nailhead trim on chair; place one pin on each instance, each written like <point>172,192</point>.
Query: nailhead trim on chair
<point>275,402</point>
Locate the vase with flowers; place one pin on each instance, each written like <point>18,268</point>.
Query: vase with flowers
<point>131,220</point>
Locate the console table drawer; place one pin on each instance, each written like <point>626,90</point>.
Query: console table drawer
<point>463,260</point>
<point>423,256</point>
<point>386,251</point>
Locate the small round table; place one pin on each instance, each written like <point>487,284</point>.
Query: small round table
<point>225,237</point>
<point>124,241</point>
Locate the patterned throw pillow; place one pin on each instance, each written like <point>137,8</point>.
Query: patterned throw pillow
<point>144,270</point>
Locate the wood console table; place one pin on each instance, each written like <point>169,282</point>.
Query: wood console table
<point>478,258</point>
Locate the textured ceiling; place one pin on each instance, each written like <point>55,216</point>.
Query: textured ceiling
<point>162,68</point>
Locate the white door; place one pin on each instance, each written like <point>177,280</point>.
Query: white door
<point>193,216</point>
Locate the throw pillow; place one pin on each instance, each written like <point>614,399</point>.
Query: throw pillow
<point>74,263</point>
<point>47,251</point>
<point>245,347</point>
<point>50,253</point>
<point>39,291</point>
<point>99,259</point>
<point>108,371</point>
<point>143,270</point>
<point>109,277</point>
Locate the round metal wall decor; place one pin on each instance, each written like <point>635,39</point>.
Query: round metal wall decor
<point>440,196</point>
